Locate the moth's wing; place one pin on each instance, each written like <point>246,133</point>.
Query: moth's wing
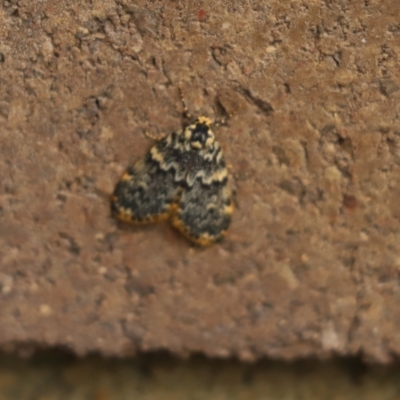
<point>148,189</point>
<point>203,211</point>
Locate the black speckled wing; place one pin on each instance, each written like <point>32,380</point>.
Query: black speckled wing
<point>203,211</point>
<point>183,177</point>
<point>147,190</point>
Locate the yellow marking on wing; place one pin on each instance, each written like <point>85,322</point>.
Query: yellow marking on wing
<point>229,209</point>
<point>126,177</point>
<point>203,240</point>
<point>126,215</point>
<point>157,155</point>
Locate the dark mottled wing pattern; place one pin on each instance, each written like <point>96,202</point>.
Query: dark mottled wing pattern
<point>184,177</point>
<point>147,190</point>
<point>204,208</point>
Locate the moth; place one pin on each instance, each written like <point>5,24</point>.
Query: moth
<point>183,179</point>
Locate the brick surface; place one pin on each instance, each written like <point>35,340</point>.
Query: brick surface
<point>311,263</point>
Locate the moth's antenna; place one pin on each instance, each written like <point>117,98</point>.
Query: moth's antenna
<point>185,109</point>
<point>157,138</point>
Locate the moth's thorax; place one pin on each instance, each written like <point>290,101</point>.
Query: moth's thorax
<point>199,134</point>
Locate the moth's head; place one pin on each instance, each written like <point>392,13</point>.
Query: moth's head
<point>200,134</point>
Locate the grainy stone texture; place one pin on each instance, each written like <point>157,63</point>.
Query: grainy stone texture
<point>311,265</point>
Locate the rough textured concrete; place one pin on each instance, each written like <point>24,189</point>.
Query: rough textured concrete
<point>311,265</point>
